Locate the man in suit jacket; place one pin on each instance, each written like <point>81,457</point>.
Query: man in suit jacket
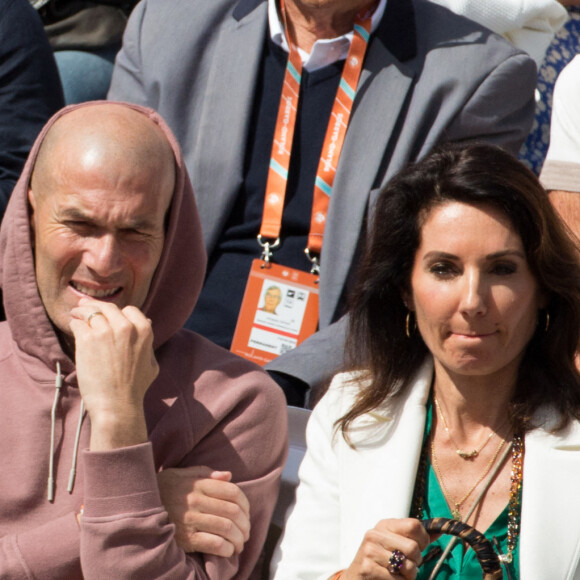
<point>214,70</point>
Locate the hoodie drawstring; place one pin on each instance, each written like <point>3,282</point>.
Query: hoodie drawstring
<point>73,471</point>
<point>58,386</point>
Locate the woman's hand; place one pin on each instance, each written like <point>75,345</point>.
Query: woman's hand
<point>374,559</point>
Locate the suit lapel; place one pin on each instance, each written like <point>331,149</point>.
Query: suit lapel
<point>384,89</point>
<point>550,532</point>
<point>226,114</point>
<point>378,478</point>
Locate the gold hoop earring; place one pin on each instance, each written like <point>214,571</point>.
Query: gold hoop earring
<point>408,324</point>
<point>547,325</point>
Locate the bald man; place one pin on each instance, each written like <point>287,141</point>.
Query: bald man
<point>101,263</point>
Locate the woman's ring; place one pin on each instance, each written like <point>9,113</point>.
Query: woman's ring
<point>396,562</point>
<point>92,315</point>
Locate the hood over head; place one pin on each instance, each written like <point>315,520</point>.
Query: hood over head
<point>174,287</point>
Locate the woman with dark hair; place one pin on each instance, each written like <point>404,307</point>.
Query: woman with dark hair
<point>462,398</point>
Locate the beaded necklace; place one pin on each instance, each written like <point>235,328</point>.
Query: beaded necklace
<point>514,507</point>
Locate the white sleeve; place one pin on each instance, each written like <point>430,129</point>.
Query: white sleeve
<point>309,549</point>
<point>528,24</point>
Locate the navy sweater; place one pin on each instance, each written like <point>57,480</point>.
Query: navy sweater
<point>230,263</point>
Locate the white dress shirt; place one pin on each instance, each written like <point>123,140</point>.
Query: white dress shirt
<point>325,51</point>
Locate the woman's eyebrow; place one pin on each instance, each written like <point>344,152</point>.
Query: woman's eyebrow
<point>493,256</point>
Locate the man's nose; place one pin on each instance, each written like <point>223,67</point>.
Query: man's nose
<point>104,256</point>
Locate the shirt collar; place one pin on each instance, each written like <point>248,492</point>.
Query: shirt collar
<point>325,51</point>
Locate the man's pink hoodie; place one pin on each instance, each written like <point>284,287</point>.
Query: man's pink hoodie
<point>207,407</point>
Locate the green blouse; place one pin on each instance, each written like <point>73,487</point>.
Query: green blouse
<point>458,564</point>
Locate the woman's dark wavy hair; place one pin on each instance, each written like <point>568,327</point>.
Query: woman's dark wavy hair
<point>474,174</point>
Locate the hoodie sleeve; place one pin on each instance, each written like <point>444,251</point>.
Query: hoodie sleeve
<point>50,551</point>
<point>125,531</point>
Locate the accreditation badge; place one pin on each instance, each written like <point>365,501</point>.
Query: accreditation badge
<point>278,312</point>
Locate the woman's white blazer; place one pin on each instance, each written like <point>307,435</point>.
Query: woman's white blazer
<point>344,492</point>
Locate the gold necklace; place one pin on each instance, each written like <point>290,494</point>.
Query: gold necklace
<point>463,454</point>
<point>514,507</point>
<point>455,511</point>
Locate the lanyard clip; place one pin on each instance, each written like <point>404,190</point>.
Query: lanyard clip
<point>267,248</point>
<point>314,261</point>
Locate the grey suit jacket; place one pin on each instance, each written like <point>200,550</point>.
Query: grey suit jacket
<point>429,76</point>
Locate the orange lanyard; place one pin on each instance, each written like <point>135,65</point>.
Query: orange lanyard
<point>331,148</point>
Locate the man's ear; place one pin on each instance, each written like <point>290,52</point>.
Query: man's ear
<point>32,202</point>
<point>31,199</point>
